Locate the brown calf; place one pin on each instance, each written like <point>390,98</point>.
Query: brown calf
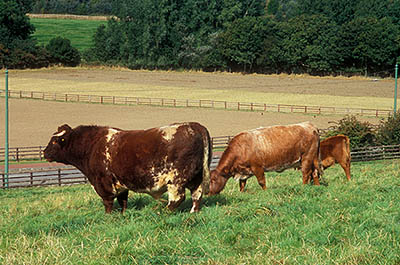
<point>336,149</point>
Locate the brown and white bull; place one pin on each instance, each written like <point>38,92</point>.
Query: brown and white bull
<point>274,148</point>
<point>336,149</point>
<point>154,161</point>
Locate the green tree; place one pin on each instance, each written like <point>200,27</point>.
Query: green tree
<point>310,44</point>
<point>61,51</point>
<point>242,42</point>
<point>370,44</point>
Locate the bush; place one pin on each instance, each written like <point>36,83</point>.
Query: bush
<point>389,131</point>
<point>361,134</point>
<point>61,52</point>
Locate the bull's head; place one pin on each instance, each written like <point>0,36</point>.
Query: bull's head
<point>55,150</point>
<point>217,182</point>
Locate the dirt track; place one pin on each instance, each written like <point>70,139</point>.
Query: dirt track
<point>32,122</point>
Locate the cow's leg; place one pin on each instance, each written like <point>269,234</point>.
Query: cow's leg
<point>306,170</point>
<point>259,173</point>
<point>123,200</point>
<point>176,195</point>
<point>346,167</point>
<point>242,184</point>
<point>197,194</point>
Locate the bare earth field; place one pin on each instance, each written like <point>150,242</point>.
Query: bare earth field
<point>33,121</point>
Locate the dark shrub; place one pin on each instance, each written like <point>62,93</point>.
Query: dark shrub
<point>389,131</point>
<point>61,52</point>
<point>361,134</point>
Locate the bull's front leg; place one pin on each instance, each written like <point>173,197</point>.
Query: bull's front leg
<point>108,202</point>
<point>242,184</point>
<point>176,195</point>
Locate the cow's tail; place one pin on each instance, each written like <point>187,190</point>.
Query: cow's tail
<point>207,157</point>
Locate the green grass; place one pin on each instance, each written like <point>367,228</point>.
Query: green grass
<point>354,222</point>
<point>79,32</point>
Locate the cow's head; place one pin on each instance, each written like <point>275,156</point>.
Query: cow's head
<point>217,182</point>
<point>55,150</point>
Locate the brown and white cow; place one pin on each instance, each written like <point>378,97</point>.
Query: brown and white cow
<point>154,161</point>
<point>336,149</point>
<point>274,148</point>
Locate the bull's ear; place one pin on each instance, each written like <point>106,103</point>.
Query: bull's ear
<point>64,127</point>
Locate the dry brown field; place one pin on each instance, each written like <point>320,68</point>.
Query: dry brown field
<point>33,121</point>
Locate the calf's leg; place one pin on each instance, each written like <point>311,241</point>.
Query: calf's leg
<point>346,167</point>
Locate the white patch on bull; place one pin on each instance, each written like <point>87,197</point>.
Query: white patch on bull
<point>109,138</point>
<point>168,132</point>
<point>173,193</point>
<point>162,179</point>
<point>60,133</point>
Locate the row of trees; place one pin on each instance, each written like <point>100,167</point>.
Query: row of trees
<point>316,37</point>
<point>293,36</point>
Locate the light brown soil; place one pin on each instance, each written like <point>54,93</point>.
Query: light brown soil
<point>32,122</point>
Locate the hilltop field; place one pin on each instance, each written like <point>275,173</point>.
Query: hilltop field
<point>33,121</point>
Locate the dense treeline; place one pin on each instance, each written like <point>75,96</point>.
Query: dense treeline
<point>293,36</point>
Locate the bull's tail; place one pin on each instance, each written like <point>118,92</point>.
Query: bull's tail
<point>206,162</point>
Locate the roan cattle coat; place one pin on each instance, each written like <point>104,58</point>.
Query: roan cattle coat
<point>154,161</point>
<point>336,149</point>
<point>274,148</point>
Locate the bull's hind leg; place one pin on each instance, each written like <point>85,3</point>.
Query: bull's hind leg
<point>197,194</point>
<point>176,195</point>
<point>123,200</point>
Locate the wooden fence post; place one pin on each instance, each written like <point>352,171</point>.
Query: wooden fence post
<point>59,177</point>
<point>17,154</point>
<point>31,178</point>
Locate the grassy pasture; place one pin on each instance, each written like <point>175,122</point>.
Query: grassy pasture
<point>354,222</point>
<point>79,32</point>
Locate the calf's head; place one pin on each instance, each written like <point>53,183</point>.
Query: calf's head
<point>55,150</point>
<point>217,182</point>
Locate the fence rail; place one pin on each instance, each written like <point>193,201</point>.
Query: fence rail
<point>202,103</point>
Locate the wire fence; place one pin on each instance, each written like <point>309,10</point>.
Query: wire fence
<point>191,103</point>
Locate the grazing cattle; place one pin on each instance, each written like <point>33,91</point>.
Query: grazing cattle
<point>274,148</point>
<point>336,149</point>
<point>154,161</point>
